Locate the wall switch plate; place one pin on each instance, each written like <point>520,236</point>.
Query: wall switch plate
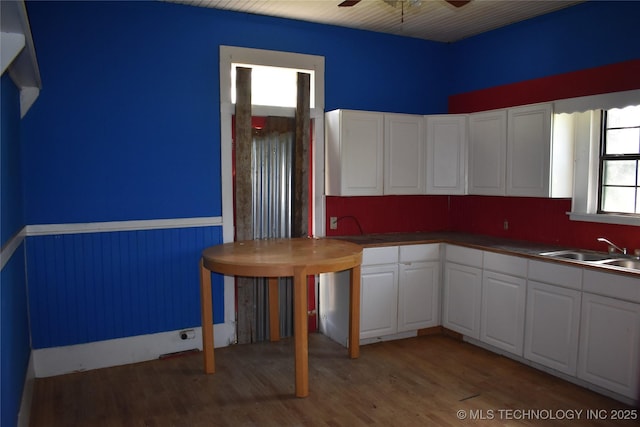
<point>505,225</point>
<point>333,223</point>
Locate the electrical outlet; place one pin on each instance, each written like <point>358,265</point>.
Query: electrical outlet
<point>505,225</point>
<point>333,223</point>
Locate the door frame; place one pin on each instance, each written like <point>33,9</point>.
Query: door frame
<point>232,54</point>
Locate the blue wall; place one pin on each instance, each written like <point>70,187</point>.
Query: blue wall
<point>591,34</point>
<point>127,127</point>
<point>14,322</point>
<point>99,286</point>
<point>11,191</point>
<point>127,123</point>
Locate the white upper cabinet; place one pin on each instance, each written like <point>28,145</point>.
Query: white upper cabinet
<point>354,153</point>
<point>529,151</point>
<point>487,153</point>
<point>446,154</point>
<point>403,154</point>
<point>512,152</point>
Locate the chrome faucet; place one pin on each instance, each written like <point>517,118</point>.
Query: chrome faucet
<point>612,246</point>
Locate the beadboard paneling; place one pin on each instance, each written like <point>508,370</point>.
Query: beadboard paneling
<point>97,286</point>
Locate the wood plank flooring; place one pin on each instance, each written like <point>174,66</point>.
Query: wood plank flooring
<point>422,381</point>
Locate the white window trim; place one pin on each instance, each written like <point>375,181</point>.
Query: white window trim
<point>586,133</point>
<point>231,54</point>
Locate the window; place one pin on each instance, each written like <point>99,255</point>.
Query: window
<point>274,86</point>
<point>606,173</point>
<point>619,189</point>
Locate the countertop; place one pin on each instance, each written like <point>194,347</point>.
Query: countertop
<point>488,243</point>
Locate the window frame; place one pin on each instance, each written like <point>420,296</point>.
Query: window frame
<point>582,120</point>
<point>603,157</point>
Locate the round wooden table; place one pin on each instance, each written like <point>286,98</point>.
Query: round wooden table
<point>273,258</point>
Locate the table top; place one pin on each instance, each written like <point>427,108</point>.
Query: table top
<point>280,257</point>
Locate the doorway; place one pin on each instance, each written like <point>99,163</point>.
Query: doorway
<point>268,135</point>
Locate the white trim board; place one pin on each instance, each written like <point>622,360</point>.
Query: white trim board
<point>112,226</point>
<point>10,247</point>
<point>122,351</point>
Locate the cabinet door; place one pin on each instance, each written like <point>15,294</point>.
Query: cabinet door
<point>446,154</point>
<point>379,300</point>
<point>552,326</point>
<point>354,153</point>
<point>487,152</point>
<point>609,352</point>
<point>403,154</point>
<point>502,318</point>
<point>529,151</point>
<point>418,296</point>
<point>461,302</point>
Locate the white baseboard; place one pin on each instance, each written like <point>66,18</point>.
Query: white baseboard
<point>27,394</point>
<point>122,351</point>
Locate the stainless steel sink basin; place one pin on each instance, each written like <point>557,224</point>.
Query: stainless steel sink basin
<point>593,257</point>
<point>579,255</point>
<point>623,262</point>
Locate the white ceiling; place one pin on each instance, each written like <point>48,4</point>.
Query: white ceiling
<point>434,20</point>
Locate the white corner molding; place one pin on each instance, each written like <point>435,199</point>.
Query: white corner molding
<point>28,96</point>
<point>11,44</point>
<point>19,53</point>
<point>7,250</point>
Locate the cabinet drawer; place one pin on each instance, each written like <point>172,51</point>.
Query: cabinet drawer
<point>382,255</point>
<point>556,274</point>
<point>413,253</point>
<point>506,264</point>
<point>465,256</point>
<point>611,285</point>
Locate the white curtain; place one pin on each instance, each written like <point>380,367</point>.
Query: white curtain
<point>604,101</point>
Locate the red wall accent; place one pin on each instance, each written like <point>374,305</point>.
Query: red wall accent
<point>592,81</point>
<point>387,214</point>
<point>533,219</point>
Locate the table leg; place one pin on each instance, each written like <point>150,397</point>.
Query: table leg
<point>207,319</point>
<point>354,313</point>
<point>274,309</point>
<point>300,332</point>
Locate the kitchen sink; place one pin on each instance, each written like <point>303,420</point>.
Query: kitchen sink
<point>579,255</point>
<point>600,258</point>
<point>623,262</point>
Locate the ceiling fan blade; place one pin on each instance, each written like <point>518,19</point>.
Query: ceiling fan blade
<point>349,3</point>
<point>458,3</point>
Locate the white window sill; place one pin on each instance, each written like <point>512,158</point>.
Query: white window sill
<point>604,218</point>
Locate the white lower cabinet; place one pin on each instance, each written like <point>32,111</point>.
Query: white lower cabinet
<point>552,326</point>
<point>504,292</point>
<point>502,312</point>
<point>581,322</point>
<point>609,352</point>
<point>401,295</point>
<point>461,302</point>
<point>418,295</point>
<point>378,300</point>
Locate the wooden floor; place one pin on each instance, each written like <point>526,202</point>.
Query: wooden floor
<point>425,381</point>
